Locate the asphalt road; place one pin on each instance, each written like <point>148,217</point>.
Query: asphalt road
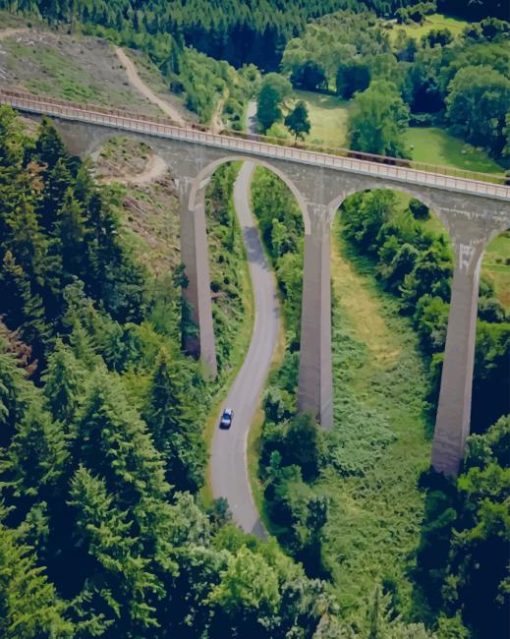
<point>229,473</point>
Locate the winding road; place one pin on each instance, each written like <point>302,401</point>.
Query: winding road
<point>228,463</point>
<point>229,467</point>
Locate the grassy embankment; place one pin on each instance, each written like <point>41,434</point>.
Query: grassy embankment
<point>435,146</point>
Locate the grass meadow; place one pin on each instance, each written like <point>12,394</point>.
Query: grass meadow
<point>381,440</point>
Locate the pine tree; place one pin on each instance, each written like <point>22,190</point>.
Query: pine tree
<point>29,606</point>
<point>174,433</point>
<point>64,383</point>
<point>25,239</point>
<point>71,233</point>
<point>57,183</point>
<point>23,309</point>
<point>49,148</point>
<point>11,142</point>
<point>35,461</point>
<point>82,347</point>
<point>123,583</point>
<point>13,396</point>
<point>112,441</point>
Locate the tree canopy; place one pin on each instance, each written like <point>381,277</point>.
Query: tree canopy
<point>378,120</point>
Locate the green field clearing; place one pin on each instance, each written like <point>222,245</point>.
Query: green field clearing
<point>434,21</point>
<point>435,146</point>
<point>328,117</point>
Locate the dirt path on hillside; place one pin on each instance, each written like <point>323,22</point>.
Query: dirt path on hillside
<point>7,33</point>
<point>154,169</point>
<point>137,82</point>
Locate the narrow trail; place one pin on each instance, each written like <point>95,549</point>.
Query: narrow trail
<point>154,169</point>
<point>9,32</point>
<point>216,125</point>
<point>137,82</point>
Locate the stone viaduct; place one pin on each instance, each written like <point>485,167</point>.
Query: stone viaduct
<point>473,212</point>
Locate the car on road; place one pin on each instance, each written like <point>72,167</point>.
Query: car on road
<point>226,418</point>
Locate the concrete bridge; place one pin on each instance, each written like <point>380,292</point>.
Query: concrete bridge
<point>473,212</point>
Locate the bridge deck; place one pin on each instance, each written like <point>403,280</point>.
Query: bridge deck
<point>256,148</point>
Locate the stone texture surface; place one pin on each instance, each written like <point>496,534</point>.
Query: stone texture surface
<point>315,389</point>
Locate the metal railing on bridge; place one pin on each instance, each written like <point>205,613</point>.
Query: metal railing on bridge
<point>492,185</point>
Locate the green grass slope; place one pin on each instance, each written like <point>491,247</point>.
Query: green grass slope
<point>435,146</point>
<point>434,21</point>
<point>70,67</point>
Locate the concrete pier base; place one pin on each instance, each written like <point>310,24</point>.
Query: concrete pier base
<point>315,390</point>
<point>454,407</point>
<point>195,257</point>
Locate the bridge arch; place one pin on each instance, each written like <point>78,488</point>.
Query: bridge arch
<point>206,173</point>
<point>416,193</point>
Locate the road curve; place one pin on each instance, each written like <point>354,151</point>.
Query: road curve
<point>228,465</point>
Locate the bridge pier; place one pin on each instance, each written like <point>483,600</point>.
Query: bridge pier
<point>197,294</point>
<point>315,386</point>
<point>454,406</point>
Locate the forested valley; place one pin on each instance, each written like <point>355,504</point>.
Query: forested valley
<point>102,446</point>
<point>106,529</point>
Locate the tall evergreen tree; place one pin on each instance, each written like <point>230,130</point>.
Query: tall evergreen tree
<point>175,434</point>
<point>36,459</point>
<point>121,585</point>
<point>64,384</point>
<point>29,606</point>
<point>13,396</point>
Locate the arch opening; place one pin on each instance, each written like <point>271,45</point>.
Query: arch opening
<point>392,263</point>
<point>413,259</point>
<point>205,174</point>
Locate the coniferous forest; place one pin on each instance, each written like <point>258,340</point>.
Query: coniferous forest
<point>106,526</point>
